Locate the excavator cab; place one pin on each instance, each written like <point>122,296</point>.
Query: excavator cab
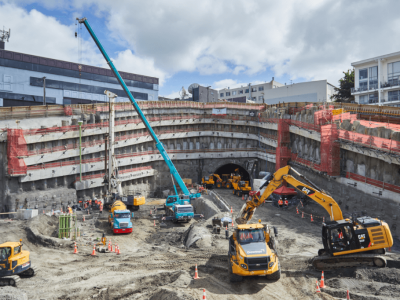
<point>338,236</point>
<point>14,261</point>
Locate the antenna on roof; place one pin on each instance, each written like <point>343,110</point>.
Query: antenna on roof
<point>5,35</point>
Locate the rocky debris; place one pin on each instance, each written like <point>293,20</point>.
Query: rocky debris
<point>9,292</point>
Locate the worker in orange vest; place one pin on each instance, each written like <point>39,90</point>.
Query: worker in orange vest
<point>101,207</point>
<point>69,210</point>
<point>286,202</point>
<point>280,203</point>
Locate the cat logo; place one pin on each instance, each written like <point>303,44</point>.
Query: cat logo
<point>361,236</point>
<point>305,190</point>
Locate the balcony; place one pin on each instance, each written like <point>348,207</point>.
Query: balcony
<point>390,84</point>
<point>371,87</point>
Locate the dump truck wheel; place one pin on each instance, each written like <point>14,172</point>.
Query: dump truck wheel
<point>219,185</point>
<point>276,275</point>
<point>233,277</point>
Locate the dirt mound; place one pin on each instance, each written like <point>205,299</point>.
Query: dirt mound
<point>381,275</point>
<point>43,230</point>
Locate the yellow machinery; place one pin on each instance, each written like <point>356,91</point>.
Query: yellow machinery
<point>211,181</point>
<point>234,178</point>
<point>252,252</point>
<point>241,187</point>
<point>347,242</point>
<point>14,261</point>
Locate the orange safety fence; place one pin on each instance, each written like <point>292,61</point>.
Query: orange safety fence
<point>330,150</point>
<point>16,147</point>
<point>369,141</point>
<point>374,182</point>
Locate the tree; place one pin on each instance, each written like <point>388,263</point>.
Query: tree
<point>343,93</point>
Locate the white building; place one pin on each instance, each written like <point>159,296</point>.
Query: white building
<point>274,92</point>
<point>377,80</point>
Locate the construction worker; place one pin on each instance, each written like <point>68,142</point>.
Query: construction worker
<point>69,209</point>
<point>286,203</point>
<point>103,239</point>
<point>280,203</point>
<point>101,207</point>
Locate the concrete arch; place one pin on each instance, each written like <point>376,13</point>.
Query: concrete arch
<point>228,168</point>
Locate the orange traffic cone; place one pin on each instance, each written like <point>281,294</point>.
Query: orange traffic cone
<point>109,246</point>
<point>318,290</point>
<point>115,248</point>
<point>196,274</point>
<point>119,252</point>
<point>94,250</point>
<point>297,210</point>
<point>232,223</point>
<point>204,294</point>
<point>150,212</point>
<point>52,212</point>
<point>302,214</point>
<point>75,249</point>
<point>154,223</point>
<point>322,285</point>
<point>312,220</point>
<point>243,197</point>
<point>348,295</point>
<point>83,218</point>
<point>231,210</point>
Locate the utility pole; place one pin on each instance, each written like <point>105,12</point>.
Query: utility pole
<point>44,90</point>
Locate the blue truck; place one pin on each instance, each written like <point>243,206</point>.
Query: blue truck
<point>120,218</point>
<point>179,209</point>
<point>174,172</point>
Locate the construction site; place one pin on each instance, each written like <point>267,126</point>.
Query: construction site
<point>176,200</point>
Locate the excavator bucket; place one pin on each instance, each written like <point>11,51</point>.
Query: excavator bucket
<point>245,214</point>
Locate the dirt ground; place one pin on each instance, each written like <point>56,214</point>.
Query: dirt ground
<point>155,264</point>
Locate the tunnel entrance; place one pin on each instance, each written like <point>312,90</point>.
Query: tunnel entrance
<point>230,168</point>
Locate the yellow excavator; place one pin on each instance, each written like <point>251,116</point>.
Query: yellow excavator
<point>347,242</point>
<point>14,263</point>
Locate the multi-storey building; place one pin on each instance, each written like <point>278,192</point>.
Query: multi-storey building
<point>274,92</point>
<point>26,80</point>
<point>377,80</point>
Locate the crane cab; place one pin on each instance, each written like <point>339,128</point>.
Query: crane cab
<point>348,236</point>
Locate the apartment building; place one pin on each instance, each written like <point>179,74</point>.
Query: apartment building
<point>377,80</point>
<point>274,92</point>
<point>27,80</point>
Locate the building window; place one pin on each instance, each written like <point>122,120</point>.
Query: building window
<point>247,91</point>
<point>240,92</point>
<point>394,73</point>
<point>228,93</point>
<point>260,88</point>
<point>233,93</point>
<point>363,79</point>
<point>373,98</point>
<point>254,89</point>
<point>254,98</point>
<point>260,98</point>
<point>221,95</point>
<point>373,78</point>
<point>212,93</point>
<point>363,99</point>
<point>394,96</point>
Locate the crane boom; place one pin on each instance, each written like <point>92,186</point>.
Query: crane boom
<point>159,145</point>
<point>274,181</point>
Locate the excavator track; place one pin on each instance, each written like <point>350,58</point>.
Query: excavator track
<point>347,261</point>
<point>9,280</point>
<point>29,273</point>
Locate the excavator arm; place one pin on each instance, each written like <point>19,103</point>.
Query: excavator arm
<point>274,181</point>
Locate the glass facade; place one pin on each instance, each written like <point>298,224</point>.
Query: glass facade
<point>72,73</point>
<point>393,73</point>
<point>394,95</point>
<point>363,79</point>
<point>373,78</point>
<point>63,85</point>
<point>363,99</point>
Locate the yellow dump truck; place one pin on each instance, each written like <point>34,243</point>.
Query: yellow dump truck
<point>252,252</point>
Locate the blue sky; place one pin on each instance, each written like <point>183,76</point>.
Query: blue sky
<point>216,44</point>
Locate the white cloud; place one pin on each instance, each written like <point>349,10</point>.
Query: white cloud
<point>303,39</point>
<point>231,83</point>
<point>37,34</point>
<point>129,62</point>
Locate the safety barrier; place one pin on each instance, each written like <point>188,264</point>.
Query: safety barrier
<point>16,147</point>
<point>100,175</point>
<point>374,182</point>
<point>151,152</point>
<point>369,141</point>
<point>295,158</point>
<point>330,150</point>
